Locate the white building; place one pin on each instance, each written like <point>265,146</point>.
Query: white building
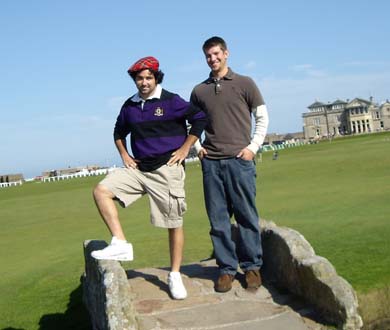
<point>358,116</point>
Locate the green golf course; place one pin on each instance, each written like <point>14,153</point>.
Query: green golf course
<point>336,193</point>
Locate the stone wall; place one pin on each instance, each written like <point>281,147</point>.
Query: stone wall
<point>289,262</point>
<point>106,292</point>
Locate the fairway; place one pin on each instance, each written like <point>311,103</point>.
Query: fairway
<point>335,193</point>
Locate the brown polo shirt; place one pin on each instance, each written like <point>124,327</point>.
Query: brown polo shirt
<point>228,108</point>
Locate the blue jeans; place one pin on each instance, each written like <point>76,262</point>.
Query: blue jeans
<point>230,189</point>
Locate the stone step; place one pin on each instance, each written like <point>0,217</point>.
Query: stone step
<point>120,299</point>
<point>206,309</point>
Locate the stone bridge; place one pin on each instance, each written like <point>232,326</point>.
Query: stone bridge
<point>301,291</point>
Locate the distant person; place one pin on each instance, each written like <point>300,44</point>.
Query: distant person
<point>156,121</point>
<point>229,171</point>
<point>275,155</point>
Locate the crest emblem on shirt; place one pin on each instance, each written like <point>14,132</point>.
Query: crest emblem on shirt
<point>159,112</point>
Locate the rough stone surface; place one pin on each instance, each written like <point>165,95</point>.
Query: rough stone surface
<point>291,263</point>
<point>206,309</point>
<point>139,299</point>
<point>106,292</point>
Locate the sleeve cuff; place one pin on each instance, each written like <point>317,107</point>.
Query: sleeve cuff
<point>253,147</point>
<point>197,146</point>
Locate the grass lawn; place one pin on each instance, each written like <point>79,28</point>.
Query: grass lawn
<point>335,193</point>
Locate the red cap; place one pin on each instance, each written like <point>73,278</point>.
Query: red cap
<point>148,62</point>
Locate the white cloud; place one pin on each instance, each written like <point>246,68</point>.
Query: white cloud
<point>250,65</point>
<point>57,141</point>
<point>366,63</point>
<point>308,69</point>
<point>114,103</point>
<point>288,98</point>
<point>301,67</point>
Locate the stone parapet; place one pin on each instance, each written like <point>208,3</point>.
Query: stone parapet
<point>291,263</point>
<point>135,300</point>
<point>106,292</point>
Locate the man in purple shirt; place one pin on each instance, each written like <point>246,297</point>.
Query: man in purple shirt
<point>156,120</point>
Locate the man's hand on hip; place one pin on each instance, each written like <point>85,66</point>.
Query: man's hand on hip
<point>178,156</point>
<point>202,153</point>
<point>246,154</point>
<point>129,161</point>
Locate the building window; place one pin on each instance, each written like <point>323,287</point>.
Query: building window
<point>316,121</point>
<point>377,114</point>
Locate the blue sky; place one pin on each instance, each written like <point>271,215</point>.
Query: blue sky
<point>63,64</point>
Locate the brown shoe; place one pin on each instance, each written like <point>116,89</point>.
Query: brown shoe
<point>253,279</point>
<point>224,283</point>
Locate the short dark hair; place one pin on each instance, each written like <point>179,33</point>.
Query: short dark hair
<point>158,75</point>
<point>214,41</point>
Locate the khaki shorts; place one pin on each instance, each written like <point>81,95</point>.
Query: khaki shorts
<point>164,186</point>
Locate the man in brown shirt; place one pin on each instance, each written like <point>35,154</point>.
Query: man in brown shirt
<point>229,171</point>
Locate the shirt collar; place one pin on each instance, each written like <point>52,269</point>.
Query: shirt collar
<point>228,76</point>
<point>156,95</point>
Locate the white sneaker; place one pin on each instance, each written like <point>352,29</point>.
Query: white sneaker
<point>117,250</point>
<point>176,286</point>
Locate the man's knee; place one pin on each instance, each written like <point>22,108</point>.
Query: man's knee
<point>101,191</point>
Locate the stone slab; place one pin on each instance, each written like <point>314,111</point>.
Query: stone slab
<point>204,308</point>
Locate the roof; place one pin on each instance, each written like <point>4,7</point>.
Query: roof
<point>316,104</point>
<point>356,102</point>
<point>338,101</point>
